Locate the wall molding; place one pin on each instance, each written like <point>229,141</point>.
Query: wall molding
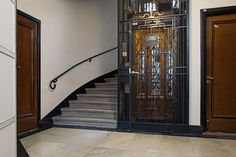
<point>7,122</point>
<point>7,52</point>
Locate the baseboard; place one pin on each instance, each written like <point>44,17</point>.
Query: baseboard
<point>21,152</point>
<point>176,129</point>
<point>220,135</point>
<point>195,130</point>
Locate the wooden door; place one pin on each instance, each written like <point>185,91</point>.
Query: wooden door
<point>221,74</point>
<point>27,74</point>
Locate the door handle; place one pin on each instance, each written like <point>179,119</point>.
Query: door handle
<point>210,78</point>
<point>134,72</point>
<point>131,72</point>
<point>18,67</point>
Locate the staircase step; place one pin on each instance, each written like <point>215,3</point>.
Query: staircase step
<point>90,113</point>
<point>115,79</point>
<point>107,85</point>
<point>74,121</point>
<point>97,97</point>
<point>97,108</point>
<point>94,105</point>
<point>93,102</point>
<point>101,90</point>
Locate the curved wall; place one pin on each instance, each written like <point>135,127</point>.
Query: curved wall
<point>71,31</point>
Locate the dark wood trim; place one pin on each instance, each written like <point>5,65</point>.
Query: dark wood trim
<point>19,12</point>
<point>204,14</point>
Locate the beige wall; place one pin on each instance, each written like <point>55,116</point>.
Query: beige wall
<point>7,79</point>
<point>73,30</point>
<point>195,6</point>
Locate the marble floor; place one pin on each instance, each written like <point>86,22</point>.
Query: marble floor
<point>61,142</point>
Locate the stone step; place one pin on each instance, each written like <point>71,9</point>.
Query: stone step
<point>101,90</point>
<point>115,79</point>
<point>84,122</point>
<point>90,113</point>
<point>94,105</point>
<point>107,85</point>
<point>97,97</point>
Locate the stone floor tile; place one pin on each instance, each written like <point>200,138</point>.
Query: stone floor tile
<point>61,142</point>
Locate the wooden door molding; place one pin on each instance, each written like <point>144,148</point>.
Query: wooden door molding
<point>205,13</point>
<point>38,60</point>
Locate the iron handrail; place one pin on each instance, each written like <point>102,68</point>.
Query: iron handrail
<point>53,84</point>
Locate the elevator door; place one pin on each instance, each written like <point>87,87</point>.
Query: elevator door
<point>153,82</point>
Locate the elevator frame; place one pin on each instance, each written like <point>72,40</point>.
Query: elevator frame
<point>125,85</point>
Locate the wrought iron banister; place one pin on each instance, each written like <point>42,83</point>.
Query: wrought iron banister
<point>53,84</point>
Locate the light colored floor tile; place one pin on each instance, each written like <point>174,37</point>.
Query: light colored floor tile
<point>43,149</point>
<point>61,142</point>
<point>105,152</point>
<point>117,140</point>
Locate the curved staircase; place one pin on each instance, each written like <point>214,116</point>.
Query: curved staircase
<point>95,109</point>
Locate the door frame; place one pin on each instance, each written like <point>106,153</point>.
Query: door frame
<point>204,14</point>
<point>19,12</point>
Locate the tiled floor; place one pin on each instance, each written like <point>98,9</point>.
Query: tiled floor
<point>60,142</point>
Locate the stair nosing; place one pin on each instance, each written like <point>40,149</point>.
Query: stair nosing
<point>97,95</point>
<point>93,102</point>
<point>89,110</point>
<point>102,88</point>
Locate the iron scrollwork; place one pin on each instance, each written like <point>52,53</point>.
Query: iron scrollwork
<point>53,84</point>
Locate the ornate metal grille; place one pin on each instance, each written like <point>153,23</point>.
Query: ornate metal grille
<point>155,47</point>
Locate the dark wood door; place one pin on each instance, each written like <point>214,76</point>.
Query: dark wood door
<point>221,75</point>
<point>27,74</point>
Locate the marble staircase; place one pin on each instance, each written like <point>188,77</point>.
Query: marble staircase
<point>96,109</point>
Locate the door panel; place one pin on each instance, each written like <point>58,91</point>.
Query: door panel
<point>154,86</point>
<point>221,84</point>
<point>27,84</point>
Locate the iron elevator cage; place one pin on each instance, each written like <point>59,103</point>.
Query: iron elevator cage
<point>153,65</point>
